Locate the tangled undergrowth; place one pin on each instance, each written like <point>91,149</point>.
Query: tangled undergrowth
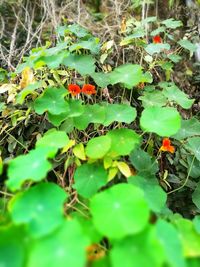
<point>100,154</point>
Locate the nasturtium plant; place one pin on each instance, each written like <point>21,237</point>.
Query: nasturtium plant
<point>99,165</point>
<point>98,147</point>
<point>36,208</point>
<point>53,139</point>
<point>164,121</point>
<point>155,98</point>
<point>123,141</point>
<point>89,178</point>
<point>120,113</point>
<point>189,128</point>
<point>66,245</point>
<point>31,167</point>
<point>13,243</point>
<point>143,163</point>
<point>152,49</point>
<point>52,100</point>
<point>129,75</point>
<point>120,211</point>
<point>153,193</point>
<point>138,250</point>
<point>84,64</point>
<point>171,242</point>
<point>193,144</point>
<point>173,93</point>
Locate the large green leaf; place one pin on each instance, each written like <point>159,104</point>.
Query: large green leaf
<point>173,93</point>
<point>75,110</point>
<point>155,98</point>
<point>143,163</point>
<point>193,144</point>
<point>196,196</point>
<point>172,23</point>
<point>188,45</point>
<point>92,114</point>
<point>30,89</point>
<point>170,239</point>
<point>153,193</point>
<point>52,100</point>
<point>120,211</point>
<point>40,208</point>
<point>123,141</point>
<point>64,247</point>
<point>91,44</point>
<point>12,247</point>
<point>53,139</point>
<point>101,79</point>
<point>129,75</point>
<point>189,236</point>
<point>34,166</point>
<point>142,250</point>
<point>163,121</point>
<point>188,128</point>
<point>89,178</point>
<point>84,64</point>
<point>98,147</point>
<point>156,48</point>
<point>120,113</point>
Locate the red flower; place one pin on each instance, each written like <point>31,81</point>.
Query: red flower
<point>74,89</point>
<point>88,89</point>
<point>157,39</point>
<point>166,146</point>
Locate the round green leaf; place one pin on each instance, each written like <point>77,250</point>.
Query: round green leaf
<point>193,144</point>
<point>189,236</point>
<point>33,166</point>
<point>171,242</point>
<point>128,74</point>
<point>84,64</point>
<point>188,128</point>
<point>196,196</point>
<point>120,113</point>
<point>89,178</point>
<point>142,250</point>
<point>156,48</point>
<point>54,139</point>
<point>36,208</point>
<point>155,98</point>
<point>120,211</point>
<point>173,93</point>
<point>123,141</point>
<point>52,100</point>
<point>153,193</point>
<point>12,247</point>
<point>75,110</point>
<point>92,114</point>
<point>64,247</point>
<point>98,147</point>
<point>163,121</point>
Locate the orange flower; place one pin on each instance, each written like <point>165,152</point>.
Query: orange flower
<point>166,146</point>
<point>74,89</point>
<point>157,39</point>
<point>88,89</point>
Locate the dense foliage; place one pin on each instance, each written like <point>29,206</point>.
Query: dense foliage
<point>96,157</point>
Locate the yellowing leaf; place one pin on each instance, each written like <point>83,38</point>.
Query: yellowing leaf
<point>124,168</point>
<point>112,173</point>
<point>107,162</point>
<point>27,77</point>
<point>6,87</point>
<point>68,146</point>
<point>79,151</point>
